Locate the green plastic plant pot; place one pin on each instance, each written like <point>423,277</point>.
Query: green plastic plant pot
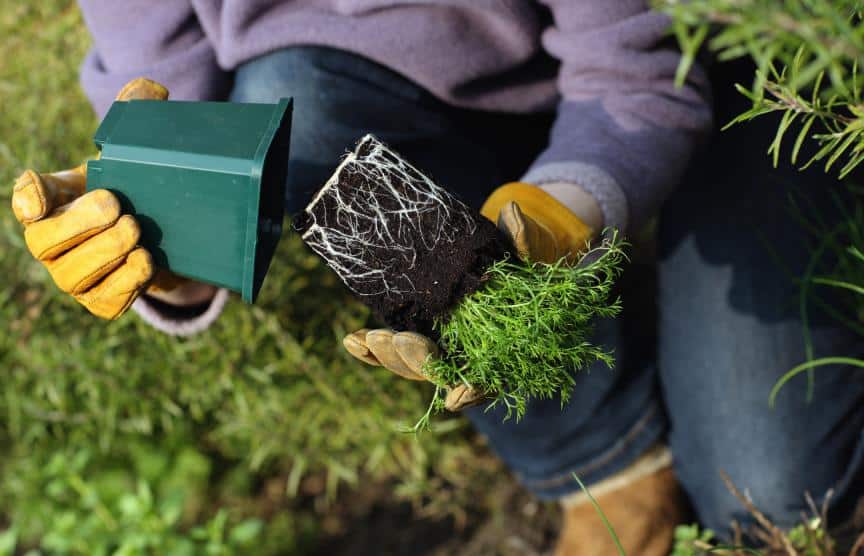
<point>205,180</point>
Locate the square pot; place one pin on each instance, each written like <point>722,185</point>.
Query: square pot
<point>205,180</point>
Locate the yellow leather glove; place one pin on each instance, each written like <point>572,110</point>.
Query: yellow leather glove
<point>540,229</point>
<point>89,249</point>
<point>538,226</point>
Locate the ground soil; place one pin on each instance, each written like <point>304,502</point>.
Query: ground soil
<point>425,287</point>
<point>517,526</point>
<point>441,279</point>
<point>482,511</point>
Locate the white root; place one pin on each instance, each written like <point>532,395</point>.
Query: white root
<point>364,222</point>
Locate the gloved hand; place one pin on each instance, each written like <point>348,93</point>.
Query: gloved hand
<point>88,247</point>
<point>540,229</point>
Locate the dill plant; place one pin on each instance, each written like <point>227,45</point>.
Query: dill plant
<point>423,260</point>
<point>807,55</point>
<point>527,331</point>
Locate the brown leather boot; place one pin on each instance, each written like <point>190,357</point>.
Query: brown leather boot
<point>643,503</point>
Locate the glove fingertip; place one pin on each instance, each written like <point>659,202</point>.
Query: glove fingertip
<point>29,202</point>
<point>142,88</point>
<point>461,397</point>
<point>354,345</point>
<point>141,260</point>
<point>380,343</point>
<point>415,350</point>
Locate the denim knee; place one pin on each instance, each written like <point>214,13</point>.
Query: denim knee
<point>777,480</point>
<point>718,396</point>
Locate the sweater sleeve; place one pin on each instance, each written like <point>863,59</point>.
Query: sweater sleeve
<point>164,42</point>
<point>159,40</point>
<point>624,132</point>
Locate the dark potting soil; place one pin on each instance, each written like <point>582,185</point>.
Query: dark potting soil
<point>409,249</point>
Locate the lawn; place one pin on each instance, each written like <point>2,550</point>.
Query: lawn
<point>261,430</point>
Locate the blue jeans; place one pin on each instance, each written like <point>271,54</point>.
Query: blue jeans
<point>706,331</point>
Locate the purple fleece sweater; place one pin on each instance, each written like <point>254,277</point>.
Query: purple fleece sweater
<point>623,131</point>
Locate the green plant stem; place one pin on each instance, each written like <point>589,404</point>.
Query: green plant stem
<point>602,515</point>
<point>810,365</point>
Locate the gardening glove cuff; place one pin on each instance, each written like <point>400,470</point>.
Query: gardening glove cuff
<point>539,226</point>
<point>180,321</point>
<point>560,179</point>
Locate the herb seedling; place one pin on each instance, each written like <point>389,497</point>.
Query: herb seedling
<point>423,260</point>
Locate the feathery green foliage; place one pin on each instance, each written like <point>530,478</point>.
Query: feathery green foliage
<point>526,332</point>
<point>808,55</point>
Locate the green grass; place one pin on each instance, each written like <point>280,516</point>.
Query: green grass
<point>266,392</point>
<point>602,514</point>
